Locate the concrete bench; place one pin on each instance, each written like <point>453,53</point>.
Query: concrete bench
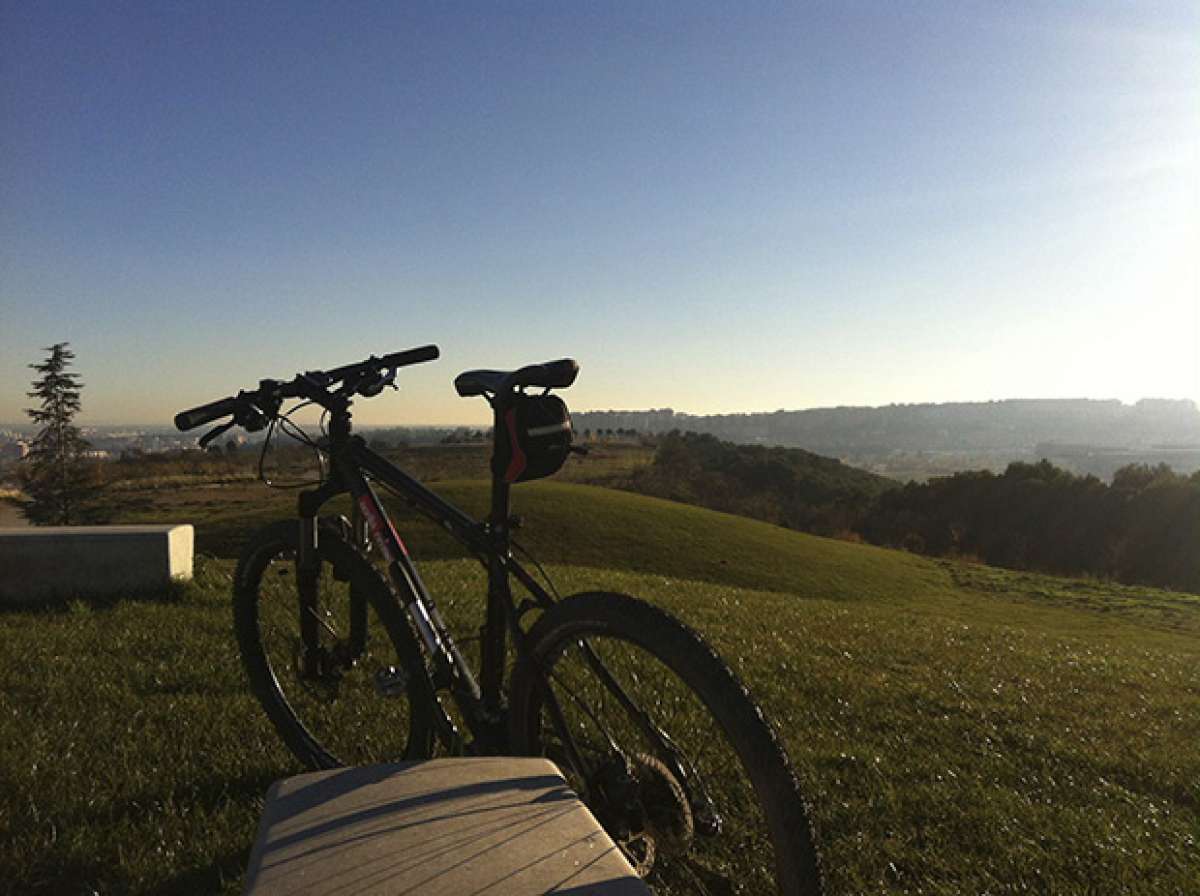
<point>445,827</point>
<point>45,562</point>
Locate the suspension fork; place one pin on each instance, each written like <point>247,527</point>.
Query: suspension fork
<point>309,505</point>
<point>308,572</point>
<point>361,540</point>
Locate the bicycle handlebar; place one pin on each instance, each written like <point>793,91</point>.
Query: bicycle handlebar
<point>387,362</point>
<point>205,413</point>
<point>302,386</point>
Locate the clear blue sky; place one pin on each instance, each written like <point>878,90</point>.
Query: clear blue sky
<point>713,207</point>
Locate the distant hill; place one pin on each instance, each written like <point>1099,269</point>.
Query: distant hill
<point>1082,434</point>
<point>984,425</point>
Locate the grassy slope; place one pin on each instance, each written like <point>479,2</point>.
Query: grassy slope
<point>960,729</point>
<point>588,526</point>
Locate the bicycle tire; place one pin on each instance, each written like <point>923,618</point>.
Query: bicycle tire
<point>341,717</point>
<point>756,790</point>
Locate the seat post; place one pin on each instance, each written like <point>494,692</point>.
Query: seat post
<point>495,633</point>
<point>500,488</point>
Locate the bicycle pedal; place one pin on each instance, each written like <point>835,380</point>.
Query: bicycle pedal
<point>391,682</point>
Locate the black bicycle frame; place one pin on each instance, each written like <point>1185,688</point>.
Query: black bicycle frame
<point>353,468</point>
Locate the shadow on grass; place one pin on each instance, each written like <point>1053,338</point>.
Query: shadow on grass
<point>210,878</point>
<point>173,593</point>
<point>57,874</point>
<point>208,795</point>
<point>53,874</point>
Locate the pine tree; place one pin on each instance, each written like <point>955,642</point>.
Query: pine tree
<point>55,475</point>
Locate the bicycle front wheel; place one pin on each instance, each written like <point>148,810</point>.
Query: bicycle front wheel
<point>665,747</point>
<point>356,693</point>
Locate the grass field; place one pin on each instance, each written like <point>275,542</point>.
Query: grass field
<point>959,729</point>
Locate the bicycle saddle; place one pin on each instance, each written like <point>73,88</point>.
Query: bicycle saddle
<point>551,375</point>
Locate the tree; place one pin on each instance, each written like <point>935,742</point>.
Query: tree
<point>59,482</point>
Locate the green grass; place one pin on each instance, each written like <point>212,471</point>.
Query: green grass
<point>587,526</point>
<point>959,729</point>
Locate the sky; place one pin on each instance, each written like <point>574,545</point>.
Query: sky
<point>713,207</point>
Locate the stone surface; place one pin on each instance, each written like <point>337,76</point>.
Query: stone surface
<point>47,562</point>
<point>445,827</point>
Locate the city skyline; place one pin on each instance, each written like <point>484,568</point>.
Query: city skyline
<point>712,209</point>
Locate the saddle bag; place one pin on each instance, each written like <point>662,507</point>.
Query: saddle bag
<point>533,440</point>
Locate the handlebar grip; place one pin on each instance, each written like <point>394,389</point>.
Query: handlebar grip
<point>411,356</point>
<point>205,413</point>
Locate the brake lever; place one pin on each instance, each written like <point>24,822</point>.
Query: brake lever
<point>382,381</point>
<point>212,434</point>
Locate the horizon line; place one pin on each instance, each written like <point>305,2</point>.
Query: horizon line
<point>470,425</point>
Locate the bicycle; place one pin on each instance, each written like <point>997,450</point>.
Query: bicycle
<point>651,728</point>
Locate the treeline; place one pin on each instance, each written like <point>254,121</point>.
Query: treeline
<point>786,486</point>
<point>1144,527</point>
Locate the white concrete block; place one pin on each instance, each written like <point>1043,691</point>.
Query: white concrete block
<point>41,563</point>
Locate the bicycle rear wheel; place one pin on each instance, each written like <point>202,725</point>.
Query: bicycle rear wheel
<point>361,696</point>
<point>683,771</point>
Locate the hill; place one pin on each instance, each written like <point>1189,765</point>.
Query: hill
<point>948,426</point>
<point>958,728</point>
<point>917,440</point>
<point>788,486</point>
<point>1141,528</point>
<point>579,525</point>
<point>600,528</point>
